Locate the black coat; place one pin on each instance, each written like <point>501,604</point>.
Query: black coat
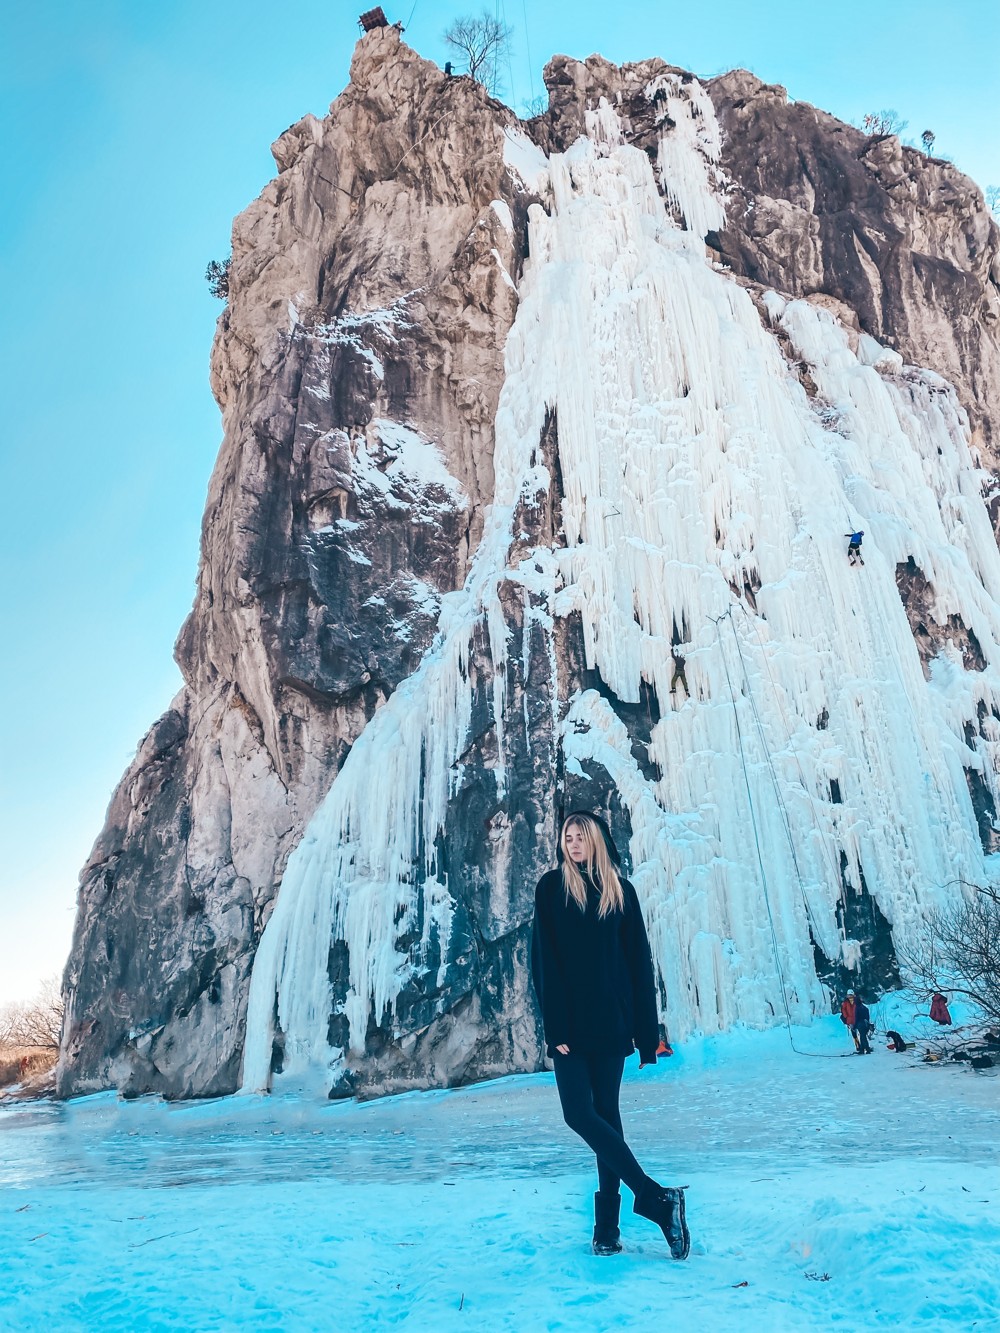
<point>593,976</point>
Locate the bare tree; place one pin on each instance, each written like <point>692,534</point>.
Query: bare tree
<point>927,139</point>
<point>992,193</point>
<point>534,106</point>
<point>880,124</point>
<point>35,1024</point>
<point>960,953</point>
<point>483,43</point>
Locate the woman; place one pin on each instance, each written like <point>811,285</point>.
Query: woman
<point>593,977</point>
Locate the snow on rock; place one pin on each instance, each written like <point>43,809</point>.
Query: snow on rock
<point>359,329</point>
<point>801,754</point>
<point>872,353</point>
<point>502,209</point>
<point>414,457</point>
<point>526,161</point>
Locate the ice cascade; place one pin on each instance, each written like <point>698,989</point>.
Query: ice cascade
<point>705,502</point>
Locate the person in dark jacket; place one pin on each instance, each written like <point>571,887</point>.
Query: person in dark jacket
<point>862,1026</point>
<point>593,975</point>
<point>854,547</point>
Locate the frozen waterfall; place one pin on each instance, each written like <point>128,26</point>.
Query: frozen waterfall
<point>705,501</point>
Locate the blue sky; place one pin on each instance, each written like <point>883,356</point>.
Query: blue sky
<point>132,136</point>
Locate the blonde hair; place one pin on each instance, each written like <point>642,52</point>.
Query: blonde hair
<point>600,868</point>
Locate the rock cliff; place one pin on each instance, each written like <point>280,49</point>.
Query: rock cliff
<point>539,442</point>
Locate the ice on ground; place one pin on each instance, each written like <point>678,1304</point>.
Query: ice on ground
<point>848,1194</point>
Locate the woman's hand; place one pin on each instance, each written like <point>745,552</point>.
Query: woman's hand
<point>563,1050</point>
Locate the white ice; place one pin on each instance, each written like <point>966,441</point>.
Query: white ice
<point>706,502</point>
<point>526,161</point>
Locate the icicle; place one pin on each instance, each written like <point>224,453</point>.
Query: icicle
<point>689,149</point>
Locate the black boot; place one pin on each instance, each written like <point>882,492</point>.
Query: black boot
<point>607,1237</point>
<point>665,1206</point>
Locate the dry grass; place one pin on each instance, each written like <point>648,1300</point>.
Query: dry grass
<point>19,1064</point>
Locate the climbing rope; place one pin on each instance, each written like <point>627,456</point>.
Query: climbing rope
<point>527,44</point>
<point>510,67</point>
<point>820,1055</point>
<point>786,822</point>
<point>418,142</point>
<point>838,878</point>
<point>756,832</point>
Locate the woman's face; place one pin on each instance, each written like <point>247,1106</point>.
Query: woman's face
<point>576,843</point>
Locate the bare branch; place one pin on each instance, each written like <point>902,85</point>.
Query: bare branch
<point>959,953</point>
<point>879,124</point>
<point>483,44</point>
<point>535,106</point>
<point>36,1024</point>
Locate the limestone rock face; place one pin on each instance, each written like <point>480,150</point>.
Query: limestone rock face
<point>902,238</point>
<point>359,366</point>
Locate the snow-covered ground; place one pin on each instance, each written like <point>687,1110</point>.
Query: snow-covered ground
<point>825,1193</point>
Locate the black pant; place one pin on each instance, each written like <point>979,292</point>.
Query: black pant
<point>860,1035</point>
<point>588,1090</point>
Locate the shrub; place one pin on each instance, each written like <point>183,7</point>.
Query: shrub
<point>217,277</point>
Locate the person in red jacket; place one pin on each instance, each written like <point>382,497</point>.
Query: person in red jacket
<point>939,1009</point>
<point>593,975</point>
<point>847,1015</point>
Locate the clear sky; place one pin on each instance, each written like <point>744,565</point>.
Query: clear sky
<point>132,135</point>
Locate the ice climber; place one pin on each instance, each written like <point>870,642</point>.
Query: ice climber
<point>593,975</point>
<point>855,1017</point>
<point>854,547</point>
<point>862,1026</point>
<point>847,1012</point>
